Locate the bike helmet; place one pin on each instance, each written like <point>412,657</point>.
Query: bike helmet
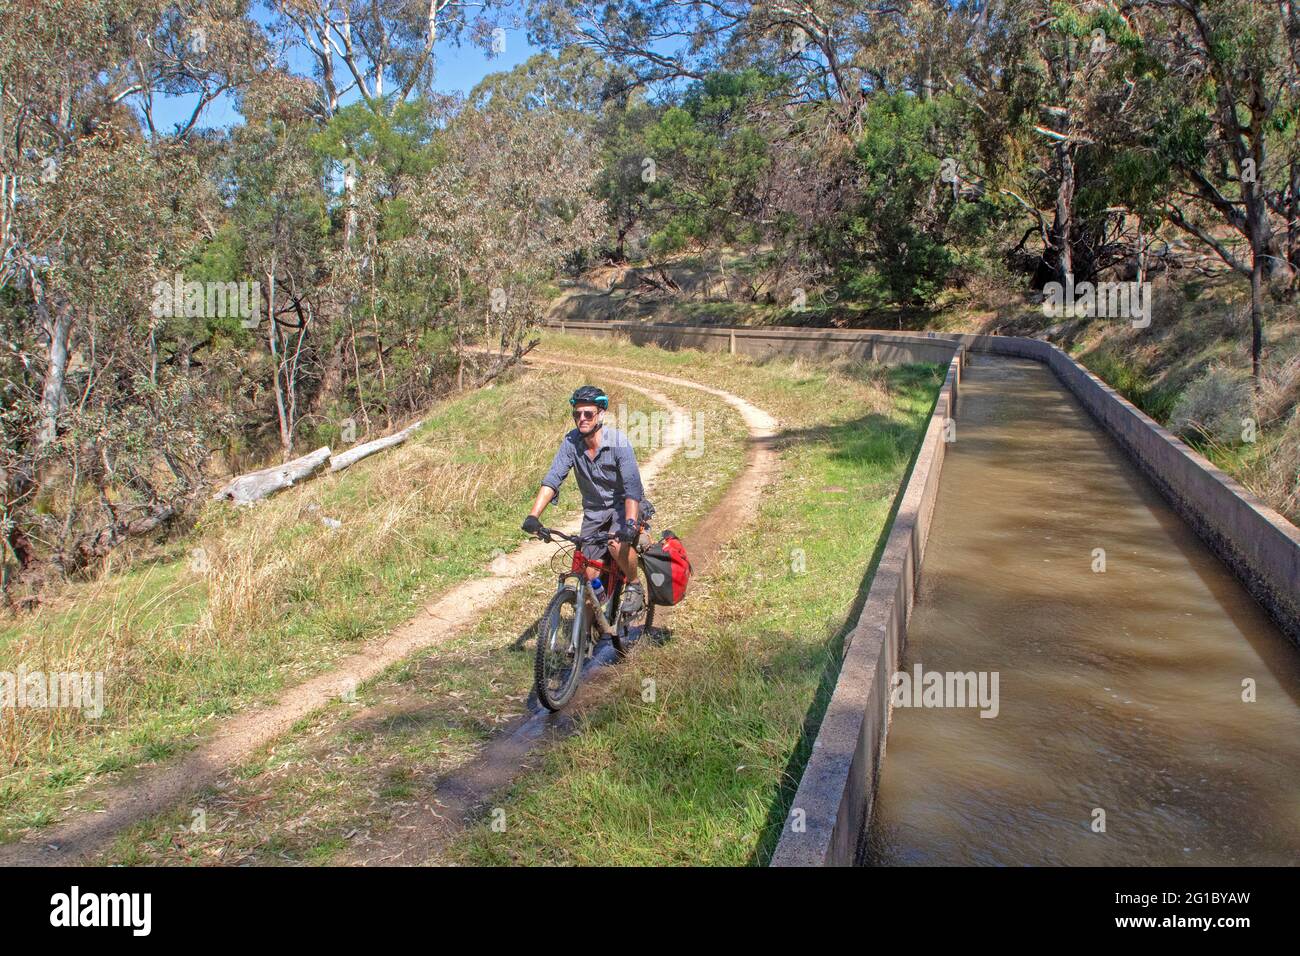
<point>590,394</point>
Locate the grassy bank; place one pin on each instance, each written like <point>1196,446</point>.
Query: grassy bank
<point>354,772</point>
<point>1199,335</point>
<point>258,599</point>
<point>354,768</point>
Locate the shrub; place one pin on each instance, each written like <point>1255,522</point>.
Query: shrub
<point>1214,405</point>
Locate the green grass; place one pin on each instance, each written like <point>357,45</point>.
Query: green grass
<point>703,773</point>
<point>279,597</point>
<point>356,765</point>
<point>1136,384</point>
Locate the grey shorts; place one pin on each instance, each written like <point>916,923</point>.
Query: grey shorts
<point>600,524</point>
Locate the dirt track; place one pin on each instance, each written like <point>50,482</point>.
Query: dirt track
<point>417,837</point>
<point>140,794</point>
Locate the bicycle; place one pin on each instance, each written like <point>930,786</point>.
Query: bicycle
<point>569,629</point>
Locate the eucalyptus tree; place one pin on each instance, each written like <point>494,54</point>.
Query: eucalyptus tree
<point>383,51</point>
<point>1224,117</point>
<point>494,219</point>
<point>96,204</point>
<point>279,213</point>
<point>1048,87</point>
<point>380,53</point>
<point>831,48</point>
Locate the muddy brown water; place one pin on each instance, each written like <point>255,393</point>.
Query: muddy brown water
<point>1118,691</point>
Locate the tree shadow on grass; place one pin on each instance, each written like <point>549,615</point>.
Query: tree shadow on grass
<point>857,441</point>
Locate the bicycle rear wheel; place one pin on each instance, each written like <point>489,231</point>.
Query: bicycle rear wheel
<point>561,651</point>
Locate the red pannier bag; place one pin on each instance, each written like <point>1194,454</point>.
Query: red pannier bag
<point>667,570</point>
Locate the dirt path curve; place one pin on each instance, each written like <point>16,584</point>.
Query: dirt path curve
<point>138,795</point>
<point>459,797</point>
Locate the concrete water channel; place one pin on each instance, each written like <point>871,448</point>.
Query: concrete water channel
<point>1109,625</point>
<point>1147,711</point>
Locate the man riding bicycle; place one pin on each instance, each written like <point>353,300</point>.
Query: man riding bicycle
<point>610,483</point>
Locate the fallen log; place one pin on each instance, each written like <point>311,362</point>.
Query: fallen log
<point>354,455</point>
<point>99,543</point>
<point>259,484</point>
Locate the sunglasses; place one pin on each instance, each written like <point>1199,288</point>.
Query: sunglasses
<point>582,414</point>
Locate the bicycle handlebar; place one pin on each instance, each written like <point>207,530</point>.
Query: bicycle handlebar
<point>546,534</point>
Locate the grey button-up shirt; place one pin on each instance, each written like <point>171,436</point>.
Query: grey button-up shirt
<point>605,481</point>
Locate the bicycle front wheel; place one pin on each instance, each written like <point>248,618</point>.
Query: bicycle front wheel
<point>561,650</point>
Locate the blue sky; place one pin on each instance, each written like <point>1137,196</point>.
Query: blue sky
<point>459,68</point>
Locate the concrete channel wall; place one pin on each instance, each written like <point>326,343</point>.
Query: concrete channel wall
<point>833,803</point>
<point>888,348</point>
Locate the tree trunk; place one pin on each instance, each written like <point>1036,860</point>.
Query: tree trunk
<point>1141,253</point>
<point>1064,213</point>
<point>59,328</point>
<point>1256,314</point>
<point>354,455</point>
<point>259,484</point>
<point>460,358</point>
<point>350,203</point>
<point>272,336</point>
<point>1262,248</point>
<point>1293,225</point>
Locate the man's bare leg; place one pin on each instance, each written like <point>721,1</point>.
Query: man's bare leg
<point>626,557</point>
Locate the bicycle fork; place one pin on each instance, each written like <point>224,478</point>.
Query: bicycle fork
<point>589,605</point>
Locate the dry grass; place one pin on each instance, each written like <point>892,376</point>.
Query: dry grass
<point>353,771</point>
<point>259,598</point>
<point>1198,325</point>
<point>1279,390</point>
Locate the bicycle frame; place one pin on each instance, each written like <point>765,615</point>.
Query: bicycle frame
<point>558,669</point>
<point>611,571</point>
<point>614,577</point>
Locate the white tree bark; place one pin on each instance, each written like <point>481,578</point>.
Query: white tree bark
<point>57,324</point>
<point>260,484</point>
<point>354,455</point>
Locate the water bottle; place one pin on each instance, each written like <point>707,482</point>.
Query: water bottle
<point>598,588</point>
